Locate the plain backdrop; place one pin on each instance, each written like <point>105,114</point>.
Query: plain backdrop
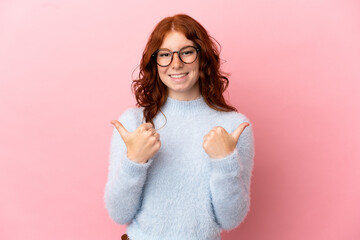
<point>66,69</point>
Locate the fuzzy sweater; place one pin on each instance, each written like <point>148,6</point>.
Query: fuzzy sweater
<point>180,193</point>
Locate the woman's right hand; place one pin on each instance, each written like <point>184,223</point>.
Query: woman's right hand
<point>141,144</point>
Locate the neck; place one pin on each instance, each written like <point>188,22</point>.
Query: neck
<point>192,94</point>
<point>184,108</point>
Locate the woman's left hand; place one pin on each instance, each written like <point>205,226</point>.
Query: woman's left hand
<point>218,143</point>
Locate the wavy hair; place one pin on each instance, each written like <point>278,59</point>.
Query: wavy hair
<point>151,93</point>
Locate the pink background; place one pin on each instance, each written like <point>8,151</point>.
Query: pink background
<point>65,72</point>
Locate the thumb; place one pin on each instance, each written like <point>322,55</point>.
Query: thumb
<point>236,134</point>
<point>121,129</point>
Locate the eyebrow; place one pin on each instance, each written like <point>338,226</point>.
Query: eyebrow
<point>179,49</point>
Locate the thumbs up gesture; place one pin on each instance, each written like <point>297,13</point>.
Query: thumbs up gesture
<point>141,144</point>
<point>218,143</point>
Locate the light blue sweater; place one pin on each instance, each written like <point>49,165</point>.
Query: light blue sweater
<point>180,193</point>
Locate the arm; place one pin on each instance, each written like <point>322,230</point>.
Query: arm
<point>126,178</point>
<point>230,182</point>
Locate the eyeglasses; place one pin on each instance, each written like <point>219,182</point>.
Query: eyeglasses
<point>164,57</point>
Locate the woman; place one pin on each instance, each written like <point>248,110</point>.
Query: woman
<point>180,163</point>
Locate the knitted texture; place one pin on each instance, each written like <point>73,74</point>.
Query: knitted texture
<point>180,193</point>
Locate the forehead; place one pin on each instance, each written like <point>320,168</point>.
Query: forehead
<point>175,40</point>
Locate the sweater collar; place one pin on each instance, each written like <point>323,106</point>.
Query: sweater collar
<point>191,107</point>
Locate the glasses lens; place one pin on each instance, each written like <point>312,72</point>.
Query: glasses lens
<point>163,57</point>
<point>188,54</point>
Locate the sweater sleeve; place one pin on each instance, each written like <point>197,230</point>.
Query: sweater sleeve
<point>123,190</point>
<point>230,182</point>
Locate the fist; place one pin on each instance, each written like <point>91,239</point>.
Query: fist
<point>218,143</point>
<point>141,144</point>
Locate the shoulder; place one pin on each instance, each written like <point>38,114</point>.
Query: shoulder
<point>131,118</point>
<point>131,113</point>
<point>231,119</point>
<point>236,116</point>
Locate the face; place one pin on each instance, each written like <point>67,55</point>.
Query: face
<point>180,78</point>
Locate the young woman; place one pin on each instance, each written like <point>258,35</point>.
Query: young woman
<point>181,162</point>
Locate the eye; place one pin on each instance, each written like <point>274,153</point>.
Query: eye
<point>187,52</point>
<point>164,54</point>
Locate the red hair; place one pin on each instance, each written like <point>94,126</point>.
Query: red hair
<point>151,93</point>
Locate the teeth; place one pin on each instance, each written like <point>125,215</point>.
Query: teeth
<point>178,75</point>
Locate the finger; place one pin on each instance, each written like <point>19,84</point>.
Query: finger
<point>121,129</point>
<point>152,131</point>
<point>218,128</point>
<point>205,137</point>
<point>236,134</point>
<point>157,136</point>
<point>147,125</point>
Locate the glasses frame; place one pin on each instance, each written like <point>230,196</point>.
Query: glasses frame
<point>178,53</point>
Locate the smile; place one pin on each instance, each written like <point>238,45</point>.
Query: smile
<point>178,75</point>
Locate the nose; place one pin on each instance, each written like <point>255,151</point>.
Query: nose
<point>176,62</point>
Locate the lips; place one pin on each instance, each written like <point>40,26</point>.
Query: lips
<point>180,75</point>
